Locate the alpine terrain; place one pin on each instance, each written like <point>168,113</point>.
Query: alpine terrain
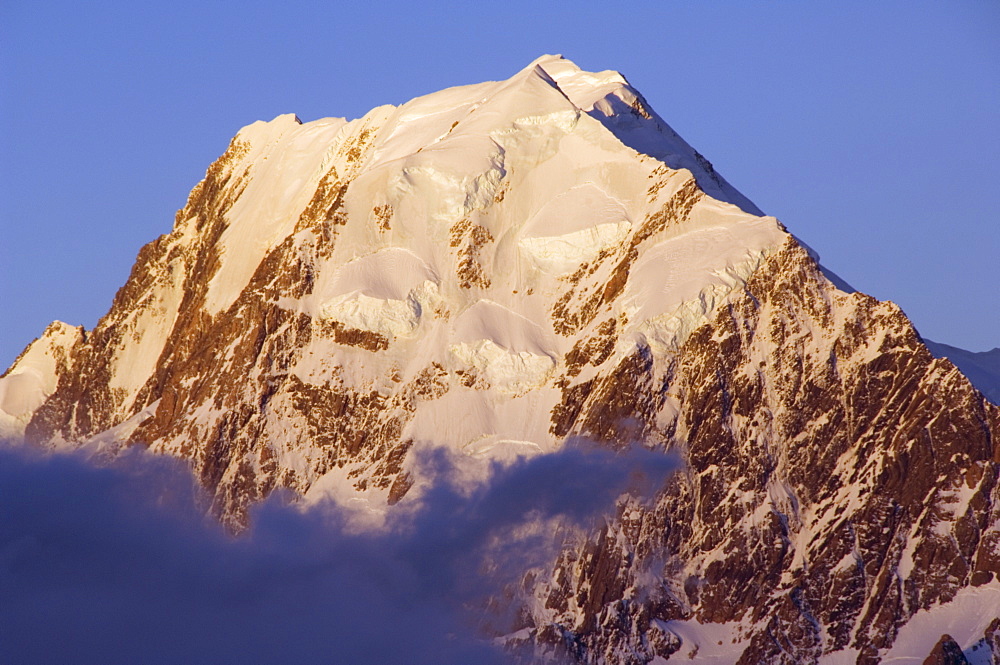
<point>497,269</point>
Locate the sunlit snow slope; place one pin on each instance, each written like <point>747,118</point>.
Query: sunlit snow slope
<point>410,268</point>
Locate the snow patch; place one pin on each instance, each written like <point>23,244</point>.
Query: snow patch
<point>842,657</point>
<point>280,171</point>
<point>667,332</point>
<point>365,510</point>
<point>563,254</point>
<point>386,292</point>
<point>147,330</point>
<point>388,317</point>
<point>502,450</point>
<point>508,371</point>
<point>492,321</point>
<point>390,274</point>
<point>452,178</point>
<point>574,227</point>
<point>707,643</point>
<point>111,440</point>
<point>965,618</point>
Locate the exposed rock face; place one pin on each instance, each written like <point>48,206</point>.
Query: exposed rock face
<point>499,267</point>
<point>946,652</point>
<point>982,368</point>
<point>838,481</point>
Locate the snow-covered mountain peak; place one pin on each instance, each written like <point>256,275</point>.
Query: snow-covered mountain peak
<point>500,268</point>
<point>485,230</point>
<point>585,89</point>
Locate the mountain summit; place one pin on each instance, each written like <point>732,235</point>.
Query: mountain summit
<point>494,269</point>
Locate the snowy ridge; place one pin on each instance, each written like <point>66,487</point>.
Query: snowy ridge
<point>34,376</point>
<point>982,368</point>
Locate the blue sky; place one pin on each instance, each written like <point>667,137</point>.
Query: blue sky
<point>870,129</point>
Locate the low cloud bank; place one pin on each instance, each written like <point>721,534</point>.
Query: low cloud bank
<point>117,564</point>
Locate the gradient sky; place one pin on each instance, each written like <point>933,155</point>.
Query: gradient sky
<point>870,129</point>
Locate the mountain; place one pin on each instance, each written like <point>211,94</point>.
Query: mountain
<point>982,367</point>
<point>500,268</point>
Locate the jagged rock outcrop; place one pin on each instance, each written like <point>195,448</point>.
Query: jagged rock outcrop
<point>946,652</point>
<point>839,479</point>
<point>982,368</point>
<point>499,267</point>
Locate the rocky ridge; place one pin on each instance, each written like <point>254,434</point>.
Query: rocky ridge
<point>499,267</point>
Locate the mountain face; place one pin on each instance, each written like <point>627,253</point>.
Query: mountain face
<point>982,367</point>
<point>497,268</point>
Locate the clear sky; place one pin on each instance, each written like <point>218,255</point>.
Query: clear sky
<point>871,129</point>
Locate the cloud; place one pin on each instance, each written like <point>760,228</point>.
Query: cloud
<point>117,564</point>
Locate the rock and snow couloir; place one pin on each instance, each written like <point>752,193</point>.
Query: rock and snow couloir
<point>498,267</point>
